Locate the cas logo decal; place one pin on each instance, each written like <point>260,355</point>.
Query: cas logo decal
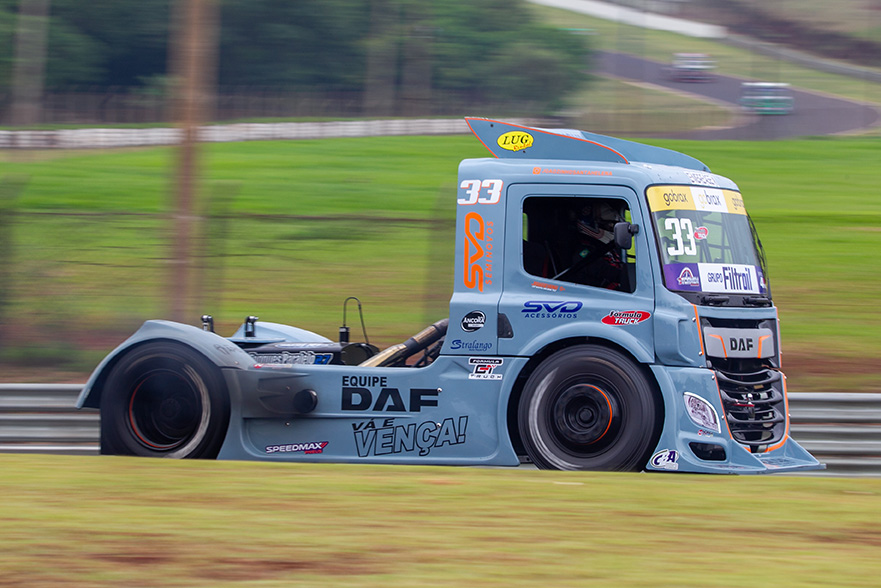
<point>625,317</point>
<point>515,141</point>
<point>478,252</point>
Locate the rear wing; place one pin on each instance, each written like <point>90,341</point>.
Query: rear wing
<point>510,141</point>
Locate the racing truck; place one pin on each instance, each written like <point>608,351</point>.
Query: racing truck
<point>611,310</point>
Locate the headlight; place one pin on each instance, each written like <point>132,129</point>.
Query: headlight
<point>702,412</point>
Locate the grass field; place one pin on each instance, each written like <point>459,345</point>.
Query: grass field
<point>312,222</point>
<point>113,521</point>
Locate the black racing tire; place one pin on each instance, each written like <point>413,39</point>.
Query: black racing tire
<point>164,399</point>
<point>589,407</point>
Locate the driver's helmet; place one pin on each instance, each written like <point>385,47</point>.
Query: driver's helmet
<point>597,221</point>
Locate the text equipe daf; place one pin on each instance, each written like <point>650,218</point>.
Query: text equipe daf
<point>387,399</point>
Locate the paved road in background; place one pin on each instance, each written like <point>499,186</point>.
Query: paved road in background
<point>814,114</point>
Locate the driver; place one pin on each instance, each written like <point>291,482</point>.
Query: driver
<point>595,259</point>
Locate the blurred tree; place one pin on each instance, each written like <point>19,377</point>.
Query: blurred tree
<point>8,9</point>
<point>417,58</point>
<point>381,46</point>
<point>308,43</point>
<point>398,52</point>
<point>29,63</point>
<point>107,42</point>
<point>494,50</point>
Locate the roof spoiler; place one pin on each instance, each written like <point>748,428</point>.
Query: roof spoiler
<point>510,141</point>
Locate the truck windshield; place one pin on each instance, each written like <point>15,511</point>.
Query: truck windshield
<point>707,242</point>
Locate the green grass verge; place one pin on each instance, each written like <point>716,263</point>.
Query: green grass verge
<point>112,521</point>
<point>311,222</point>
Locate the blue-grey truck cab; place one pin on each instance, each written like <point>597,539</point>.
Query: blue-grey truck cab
<point>611,311</point>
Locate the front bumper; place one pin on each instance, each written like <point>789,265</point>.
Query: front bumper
<point>686,446</point>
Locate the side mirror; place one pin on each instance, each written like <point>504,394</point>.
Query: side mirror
<point>624,232</point>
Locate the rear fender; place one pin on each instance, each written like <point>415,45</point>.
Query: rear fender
<point>218,350</point>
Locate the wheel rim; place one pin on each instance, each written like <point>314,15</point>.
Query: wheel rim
<point>585,420</point>
<point>165,410</point>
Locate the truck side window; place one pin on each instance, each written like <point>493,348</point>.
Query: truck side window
<point>572,240</point>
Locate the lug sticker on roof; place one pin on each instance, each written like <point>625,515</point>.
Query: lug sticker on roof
<point>515,141</point>
<point>625,317</point>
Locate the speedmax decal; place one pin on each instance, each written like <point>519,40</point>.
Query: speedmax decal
<point>312,447</point>
<point>389,438</point>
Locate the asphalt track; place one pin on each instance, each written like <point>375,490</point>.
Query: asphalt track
<point>814,114</point>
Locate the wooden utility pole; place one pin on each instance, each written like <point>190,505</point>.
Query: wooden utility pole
<point>382,56</point>
<point>193,53</point>
<point>416,66</point>
<point>29,67</point>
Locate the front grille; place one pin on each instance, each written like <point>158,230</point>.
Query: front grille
<point>754,405</point>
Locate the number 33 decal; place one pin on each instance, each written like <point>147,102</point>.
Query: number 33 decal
<point>493,191</point>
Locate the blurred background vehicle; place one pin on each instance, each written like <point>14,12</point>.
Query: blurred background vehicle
<point>691,67</point>
<point>767,97</point>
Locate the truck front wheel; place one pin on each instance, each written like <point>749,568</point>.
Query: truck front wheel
<point>589,407</point>
<point>163,399</point>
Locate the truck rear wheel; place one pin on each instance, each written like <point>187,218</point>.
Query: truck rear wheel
<point>164,400</point>
<point>589,407</point>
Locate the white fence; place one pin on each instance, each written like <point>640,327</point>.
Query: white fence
<point>113,138</point>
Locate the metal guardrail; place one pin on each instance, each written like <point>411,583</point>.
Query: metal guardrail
<point>42,418</point>
<point>841,430</point>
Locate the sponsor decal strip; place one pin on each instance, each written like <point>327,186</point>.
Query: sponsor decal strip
<point>662,198</point>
